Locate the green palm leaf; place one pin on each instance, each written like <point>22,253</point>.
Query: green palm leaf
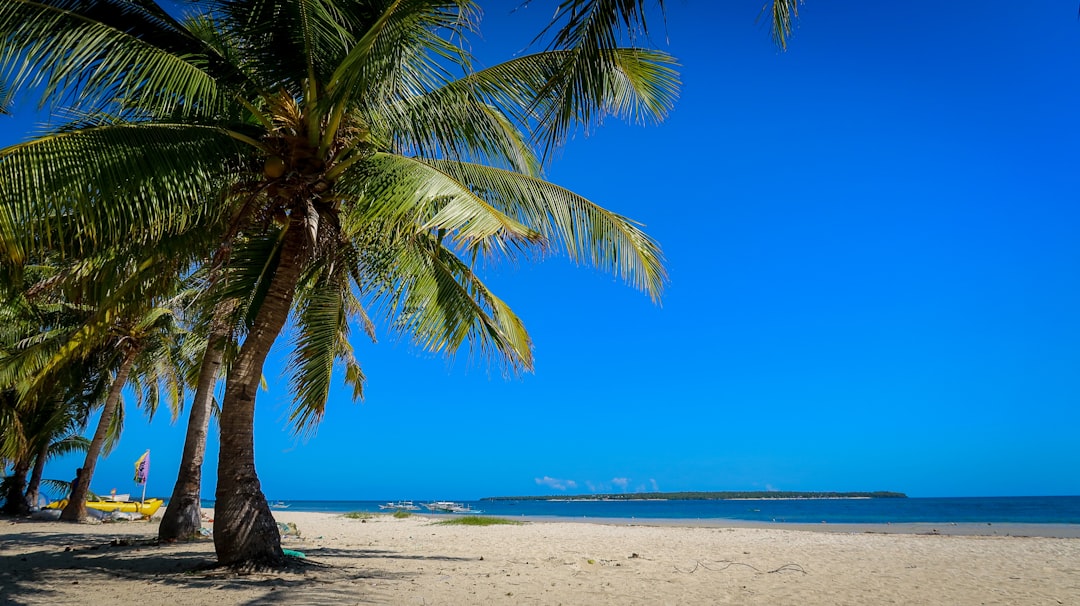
<point>391,187</point>
<point>124,55</point>
<point>594,74</point>
<point>584,230</point>
<point>322,326</point>
<point>402,50</point>
<point>429,295</point>
<point>146,181</point>
<point>783,13</point>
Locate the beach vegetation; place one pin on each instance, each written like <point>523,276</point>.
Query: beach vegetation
<point>359,515</point>
<point>478,521</point>
<point>401,514</point>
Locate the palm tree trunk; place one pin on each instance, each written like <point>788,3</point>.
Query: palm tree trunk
<point>75,510</point>
<point>33,489</point>
<point>245,532</point>
<point>15,501</point>
<point>182,518</point>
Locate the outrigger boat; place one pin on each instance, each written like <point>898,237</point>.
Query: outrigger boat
<point>450,507</point>
<point>400,506</point>
<point>145,508</point>
<point>119,502</point>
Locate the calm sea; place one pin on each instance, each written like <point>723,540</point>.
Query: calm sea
<point>998,510</point>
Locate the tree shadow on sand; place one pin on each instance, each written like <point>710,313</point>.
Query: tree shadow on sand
<point>47,562</point>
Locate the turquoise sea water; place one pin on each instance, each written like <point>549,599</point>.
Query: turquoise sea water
<point>996,510</point>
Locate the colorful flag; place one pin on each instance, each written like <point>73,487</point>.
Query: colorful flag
<point>142,468</point>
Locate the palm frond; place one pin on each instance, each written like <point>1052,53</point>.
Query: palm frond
<point>433,298</point>
<point>68,445</point>
<point>783,15</point>
<point>105,54</point>
<point>5,99</point>
<point>403,49</point>
<point>146,181</point>
<point>57,487</point>
<point>460,121</point>
<point>593,77</point>
<point>585,231</point>
<point>321,327</point>
<point>388,186</point>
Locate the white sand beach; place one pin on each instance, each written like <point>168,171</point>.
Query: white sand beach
<point>384,560</point>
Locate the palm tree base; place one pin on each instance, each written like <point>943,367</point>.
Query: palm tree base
<point>245,532</point>
<point>74,512</point>
<point>182,519</point>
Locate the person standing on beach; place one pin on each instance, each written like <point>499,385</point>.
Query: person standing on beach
<point>75,482</point>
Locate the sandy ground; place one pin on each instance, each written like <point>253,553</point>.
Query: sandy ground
<point>384,560</point>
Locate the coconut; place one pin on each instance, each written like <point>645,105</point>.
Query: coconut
<point>274,167</point>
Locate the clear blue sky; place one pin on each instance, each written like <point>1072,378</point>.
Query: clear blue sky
<point>875,283</point>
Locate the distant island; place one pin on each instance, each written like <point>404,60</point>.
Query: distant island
<point>707,496</point>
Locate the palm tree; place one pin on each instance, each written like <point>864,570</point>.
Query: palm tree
<point>30,435</point>
<point>80,346</point>
<point>29,426</point>
<point>143,353</point>
<point>353,146</point>
<point>182,518</point>
<point>364,130</point>
<point>46,424</point>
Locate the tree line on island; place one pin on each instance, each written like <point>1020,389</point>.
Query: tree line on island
<point>252,165</point>
<point>708,496</point>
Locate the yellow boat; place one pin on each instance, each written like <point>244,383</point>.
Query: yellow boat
<point>146,508</point>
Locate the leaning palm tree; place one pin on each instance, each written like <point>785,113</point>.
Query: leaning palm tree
<point>353,147</point>
<point>143,349</point>
<point>183,516</point>
<point>337,140</point>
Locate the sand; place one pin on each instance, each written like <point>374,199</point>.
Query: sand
<point>384,560</point>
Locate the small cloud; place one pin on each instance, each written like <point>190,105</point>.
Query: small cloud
<point>771,488</point>
<point>556,483</point>
<point>620,482</point>
<point>591,486</point>
<point>655,486</point>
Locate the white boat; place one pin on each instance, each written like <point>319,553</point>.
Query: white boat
<point>279,505</point>
<point>400,506</point>
<point>450,507</point>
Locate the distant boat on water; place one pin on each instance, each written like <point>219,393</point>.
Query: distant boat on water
<point>450,507</point>
<point>400,506</point>
<point>279,505</point>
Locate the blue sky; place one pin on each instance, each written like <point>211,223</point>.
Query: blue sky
<point>874,283</point>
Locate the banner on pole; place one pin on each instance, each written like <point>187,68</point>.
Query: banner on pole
<point>142,468</point>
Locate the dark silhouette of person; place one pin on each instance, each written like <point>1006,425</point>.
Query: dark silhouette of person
<point>75,482</point>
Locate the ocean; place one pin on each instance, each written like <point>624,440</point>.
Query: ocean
<point>943,510</point>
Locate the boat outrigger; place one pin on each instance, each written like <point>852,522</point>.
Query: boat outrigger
<point>120,502</point>
<point>450,507</point>
<point>400,506</point>
<point>145,508</point>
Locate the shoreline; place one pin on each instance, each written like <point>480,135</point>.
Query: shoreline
<point>1052,531</point>
<point>987,529</point>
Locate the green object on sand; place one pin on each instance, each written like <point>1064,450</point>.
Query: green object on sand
<point>292,553</point>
